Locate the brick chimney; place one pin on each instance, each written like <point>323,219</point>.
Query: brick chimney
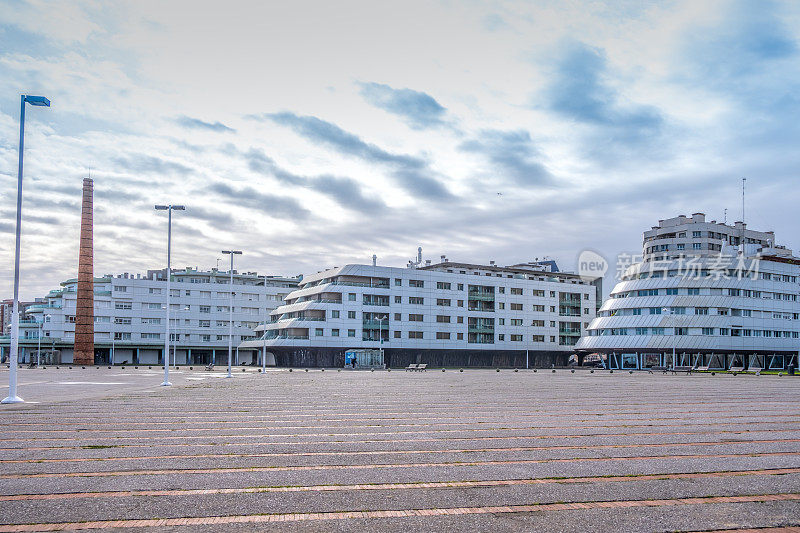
<point>84,314</point>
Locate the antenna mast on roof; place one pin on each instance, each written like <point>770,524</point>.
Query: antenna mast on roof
<point>743,182</point>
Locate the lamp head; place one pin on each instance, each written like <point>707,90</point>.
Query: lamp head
<point>37,100</point>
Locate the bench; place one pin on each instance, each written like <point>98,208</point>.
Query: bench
<point>422,368</point>
<point>412,366</point>
<point>210,366</point>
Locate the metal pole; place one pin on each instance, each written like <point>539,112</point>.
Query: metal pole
<point>12,357</point>
<point>169,275</point>
<point>230,321</point>
<point>112,348</point>
<point>264,338</point>
<point>39,342</point>
<point>527,366</point>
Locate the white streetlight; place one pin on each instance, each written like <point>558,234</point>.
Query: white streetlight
<point>230,310</point>
<point>14,348</point>
<point>168,209</point>
<point>264,337</point>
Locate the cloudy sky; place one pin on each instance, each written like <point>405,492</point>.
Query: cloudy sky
<point>311,134</point>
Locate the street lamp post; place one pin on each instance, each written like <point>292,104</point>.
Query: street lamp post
<point>168,209</point>
<point>264,336</point>
<point>230,310</point>
<point>14,348</point>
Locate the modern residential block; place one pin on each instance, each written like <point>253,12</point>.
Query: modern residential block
<point>451,314</point>
<point>129,314</point>
<point>716,295</point>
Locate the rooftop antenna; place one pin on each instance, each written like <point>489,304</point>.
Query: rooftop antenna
<point>743,182</point>
<point>374,260</point>
<point>725,221</point>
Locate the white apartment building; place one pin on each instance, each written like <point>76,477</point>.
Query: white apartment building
<point>716,295</point>
<point>450,314</point>
<point>130,313</point>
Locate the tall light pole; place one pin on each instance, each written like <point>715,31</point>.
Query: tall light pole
<point>264,337</point>
<point>230,311</point>
<point>14,352</point>
<point>168,209</point>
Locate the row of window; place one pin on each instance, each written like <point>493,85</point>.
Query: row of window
<point>176,293</point>
<point>733,332</point>
<point>693,270</point>
<point>720,311</point>
<point>694,291</point>
<point>440,335</point>
<point>174,337</point>
<point>732,239</point>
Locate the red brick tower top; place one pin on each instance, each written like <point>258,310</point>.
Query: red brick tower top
<point>84,313</point>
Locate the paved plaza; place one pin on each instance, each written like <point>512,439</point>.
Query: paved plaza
<point>477,450</point>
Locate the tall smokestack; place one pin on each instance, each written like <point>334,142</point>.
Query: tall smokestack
<point>84,313</point>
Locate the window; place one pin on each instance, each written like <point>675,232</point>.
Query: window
<point>120,336</point>
<point>680,246</point>
<point>174,337</point>
<point>122,305</point>
<point>120,288</point>
<point>414,334</point>
<point>697,234</point>
<point>441,285</point>
<point>398,317</point>
<point>121,320</point>
<point>516,321</point>
<point>537,338</point>
<point>205,294</point>
<point>672,291</point>
<point>552,308</point>
<point>443,318</point>
<point>552,338</point>
<point>205,309</point>
<point>151,321</point>
<point>722,312</point>
<point>701,310</point>
<point>442,335</point>
<point>501,290</point>
<point>205,323</point>
<point>461,286</point>
<point>501,321</point>
<point>516,307</point>
<point>154,306</point>
<point>655,310</point>
<point>539,308</point>
<point>319,332</point>
<point>351,333</point>
<point>501,305</point>
<point>641,331</point>
<point>697,246</point>
<point>351,314</point>
<point>516,338</point>
<point>537,292</point>
<point>335,314</point>
<point>416,283</point>
<point>398,299</point>
<point>205,338</point>
<point>724,331</point>
<point>693,292</point>
<point>351,297</point>
<point>516,291</point>
<point>460,303</point>
<point>223,309</point>
<point>442,302</point>
<point>151,335</point>
<point>416,300</point>
<point>647,292</point>
<point>708,331</point>
<point>460,336</point>
<point>415,318</point>
<point>222,323</point>
<point>538,323</point>
<point>153,290</point>
<point>334,333</point>
<point>398,282</point>
<point>501,337</point>
<point>460,319</point>
<point>586,311</point>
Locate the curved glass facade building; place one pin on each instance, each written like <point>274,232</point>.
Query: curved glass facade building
<point>702,295</point>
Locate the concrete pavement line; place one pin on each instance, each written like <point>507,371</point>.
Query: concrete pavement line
<point>405,513</point>
<point>349,453</point>
<point>238,436</point>
<point>385,465</point>
<point>442,439</point>
<point>401,486</point>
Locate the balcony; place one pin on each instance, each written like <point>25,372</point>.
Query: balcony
<point>480,329</point>
<point>375,324</point>
<point>482,296</point>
